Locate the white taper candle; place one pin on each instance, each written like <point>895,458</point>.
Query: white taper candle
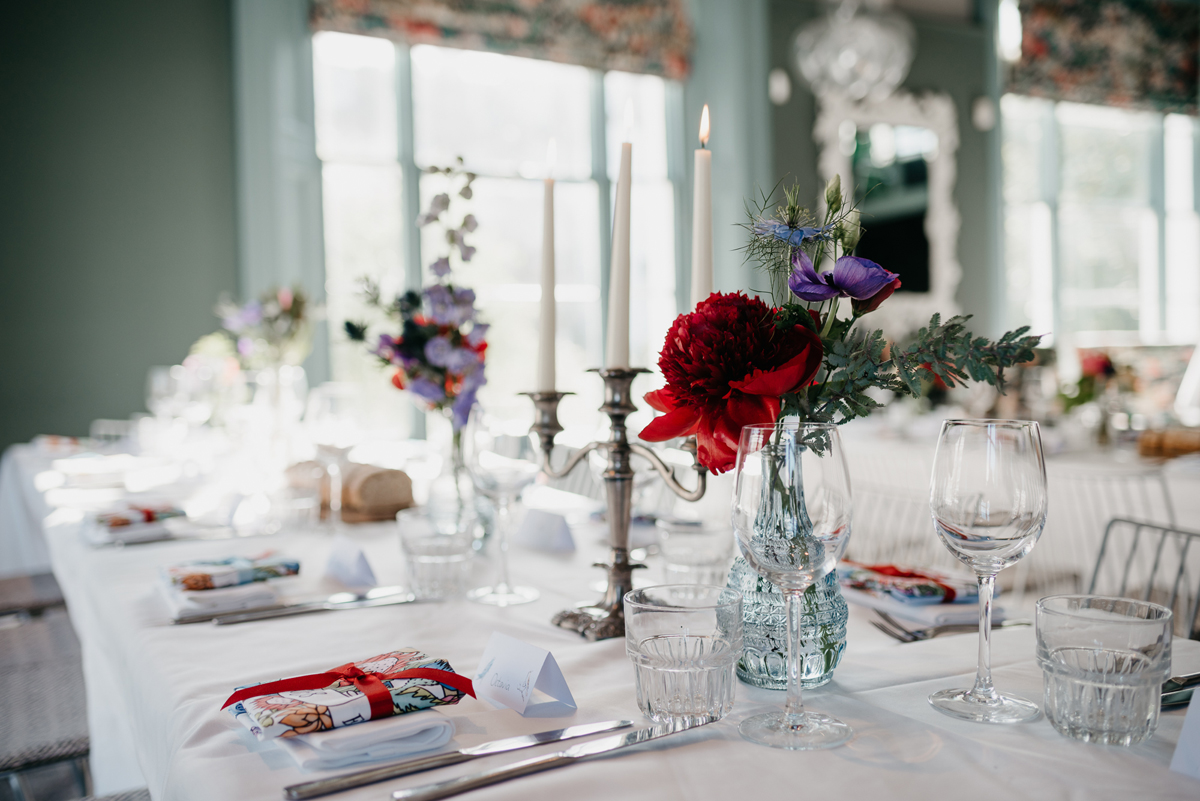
<point>702,253</point>
<point>617,352</point>
<point>546,330</point>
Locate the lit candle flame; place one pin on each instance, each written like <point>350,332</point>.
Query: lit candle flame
<point>704,127</point>
<point>551,157</point>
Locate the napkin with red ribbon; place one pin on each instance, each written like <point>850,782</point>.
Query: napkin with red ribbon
<point>907,585</point>
<point>389,684</point>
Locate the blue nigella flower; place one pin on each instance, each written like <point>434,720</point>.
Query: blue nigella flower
<point>793,236</point>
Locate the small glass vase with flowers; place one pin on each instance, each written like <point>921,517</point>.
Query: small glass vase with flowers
<point>737,360</point>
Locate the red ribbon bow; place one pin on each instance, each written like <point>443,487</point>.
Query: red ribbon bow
<point>896,572</point>
<point>371,685</point>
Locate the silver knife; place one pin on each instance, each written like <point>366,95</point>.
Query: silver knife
<point>358,778</point>
<point>431,792</point>
<point>379,596</point>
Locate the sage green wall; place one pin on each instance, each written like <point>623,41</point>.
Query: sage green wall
<point>952,58</point>
<point>117,223</point>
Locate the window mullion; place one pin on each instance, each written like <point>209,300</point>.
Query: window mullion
<point>677,175</point>
<point>599,135</point>
<point>1050,157</point>
<point>410,191</point>
<point>1158,202</point>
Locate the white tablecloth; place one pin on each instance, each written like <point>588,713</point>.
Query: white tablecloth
<point>155,691</point>
<point>22,508</point>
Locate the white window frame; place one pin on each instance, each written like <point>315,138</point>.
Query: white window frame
<point>1153,327</point>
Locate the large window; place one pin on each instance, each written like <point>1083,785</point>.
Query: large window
<point>1102,239</point>
<point>385,113</point>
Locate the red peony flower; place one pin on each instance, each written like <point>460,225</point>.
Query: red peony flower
<point>726,366</point>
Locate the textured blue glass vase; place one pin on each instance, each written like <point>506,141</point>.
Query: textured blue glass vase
<point>764,654</point>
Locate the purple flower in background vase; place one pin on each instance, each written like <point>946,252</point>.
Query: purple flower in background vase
<point>436,206</point>
<point>427,390</point>
<point>441,267</point>
<point>461,408</point>
<point>460,360</point>
<point>245,346</point>
<point>386,348</point>
<point>851,277</point>
<point>247,316</point>
<point>460,240</point>
<point>469,223</point>
<point>439,351</point>
<point>478,332</point>
<point>441,303</point>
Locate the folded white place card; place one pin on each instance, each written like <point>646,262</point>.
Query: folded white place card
<point>1187,750</point>
<point>544,531</point>
<point>348,564</point>
<point>511,672</point>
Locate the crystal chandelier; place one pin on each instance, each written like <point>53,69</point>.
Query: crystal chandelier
<point>862,53</point>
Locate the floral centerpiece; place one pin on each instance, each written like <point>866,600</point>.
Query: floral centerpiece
<point>439,350</point>
<point>738,360</point>
<point>273,330</point>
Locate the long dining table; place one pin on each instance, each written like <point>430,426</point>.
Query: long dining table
<point>155,691</point>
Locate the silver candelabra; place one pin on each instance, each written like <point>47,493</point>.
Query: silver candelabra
<point>606,619</point>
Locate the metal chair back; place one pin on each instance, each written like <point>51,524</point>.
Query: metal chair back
<point>1152,562</point>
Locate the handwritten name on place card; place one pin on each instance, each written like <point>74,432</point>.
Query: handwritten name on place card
<point>511,672</point>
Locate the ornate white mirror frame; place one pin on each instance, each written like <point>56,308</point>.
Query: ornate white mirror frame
<point>904,312</point>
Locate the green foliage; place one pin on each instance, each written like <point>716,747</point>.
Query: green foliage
<point>860,361</point>
<point>952,353</point>
<point>856,359</point>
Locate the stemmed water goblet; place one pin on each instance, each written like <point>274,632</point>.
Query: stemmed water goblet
<point>332,422</point>
<point>502,458</point>
<point>988,500</point>
<point>791,515</point>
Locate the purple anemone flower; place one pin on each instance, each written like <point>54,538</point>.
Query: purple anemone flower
<point>793,236</point>
<point>851,277</point>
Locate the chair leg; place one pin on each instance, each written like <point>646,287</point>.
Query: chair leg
<point>19,787</point>
<point>83,775</point>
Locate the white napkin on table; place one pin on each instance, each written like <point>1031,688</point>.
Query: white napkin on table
<point>925,614</point>
<point>376,740</point>
<point>186,603</point>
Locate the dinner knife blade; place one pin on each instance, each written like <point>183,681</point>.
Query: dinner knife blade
<point>452,787</point>
<point>358,778</point>
<point>351,601</point>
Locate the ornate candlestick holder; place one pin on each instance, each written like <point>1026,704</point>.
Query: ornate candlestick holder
<point>606,618</point>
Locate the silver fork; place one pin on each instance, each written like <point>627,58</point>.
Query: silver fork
<point>893,628</point>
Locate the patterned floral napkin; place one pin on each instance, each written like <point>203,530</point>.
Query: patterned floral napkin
<point>918,587</point>
<point>211,574</point>
<point>294,712</point>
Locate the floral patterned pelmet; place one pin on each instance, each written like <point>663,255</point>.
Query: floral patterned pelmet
<point>1136,54</point>
<point>647,36</point>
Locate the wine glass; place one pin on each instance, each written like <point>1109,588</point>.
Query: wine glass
<point>502,459</point>
<point>332,422</point>
<point>988,500</point>
<point>791,514</point>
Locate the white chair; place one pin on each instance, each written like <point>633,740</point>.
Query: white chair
<point>1155,563</point>
<point>1085,493</point>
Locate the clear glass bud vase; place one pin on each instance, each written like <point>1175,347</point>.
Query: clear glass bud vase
<point>764,652</point>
